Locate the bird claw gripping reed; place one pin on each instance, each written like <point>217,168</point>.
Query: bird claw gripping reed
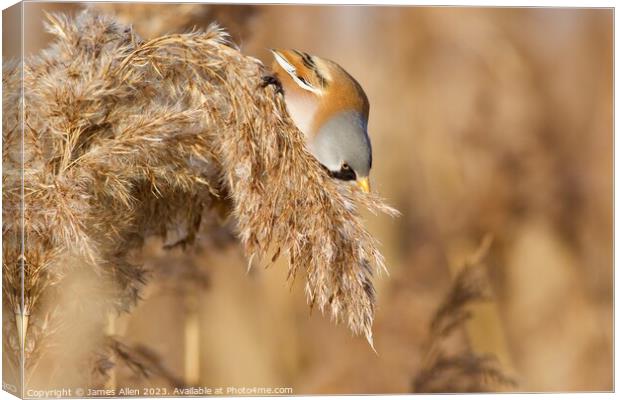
<point>125,138</point>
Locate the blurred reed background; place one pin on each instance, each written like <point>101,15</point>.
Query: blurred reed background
<point>492,134</point>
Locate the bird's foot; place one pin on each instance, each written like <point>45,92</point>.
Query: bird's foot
<point>269,80</point>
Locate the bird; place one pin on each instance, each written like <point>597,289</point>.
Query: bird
<point>331,109</point>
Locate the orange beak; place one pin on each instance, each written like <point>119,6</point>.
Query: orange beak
<point>364,184</point>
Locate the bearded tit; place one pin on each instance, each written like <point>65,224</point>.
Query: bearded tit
<point>330,107</point>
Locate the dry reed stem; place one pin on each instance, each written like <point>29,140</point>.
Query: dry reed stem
<point>127,138</point>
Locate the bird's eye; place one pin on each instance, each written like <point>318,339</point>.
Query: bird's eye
<point>345,173</point>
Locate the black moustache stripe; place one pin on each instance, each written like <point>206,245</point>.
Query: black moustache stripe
<point>343,174</point>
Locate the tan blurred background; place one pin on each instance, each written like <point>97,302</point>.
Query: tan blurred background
<point>484,122</point>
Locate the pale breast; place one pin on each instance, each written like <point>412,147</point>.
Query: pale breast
<point>302,109</point>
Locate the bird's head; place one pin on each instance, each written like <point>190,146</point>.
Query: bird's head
<point>330,107</point>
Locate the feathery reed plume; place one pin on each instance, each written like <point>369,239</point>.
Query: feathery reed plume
<point>463,370</point>
<point>126,139</point>
<point>470,285</point>
<point>141,361</point>
<point>155,21</point>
